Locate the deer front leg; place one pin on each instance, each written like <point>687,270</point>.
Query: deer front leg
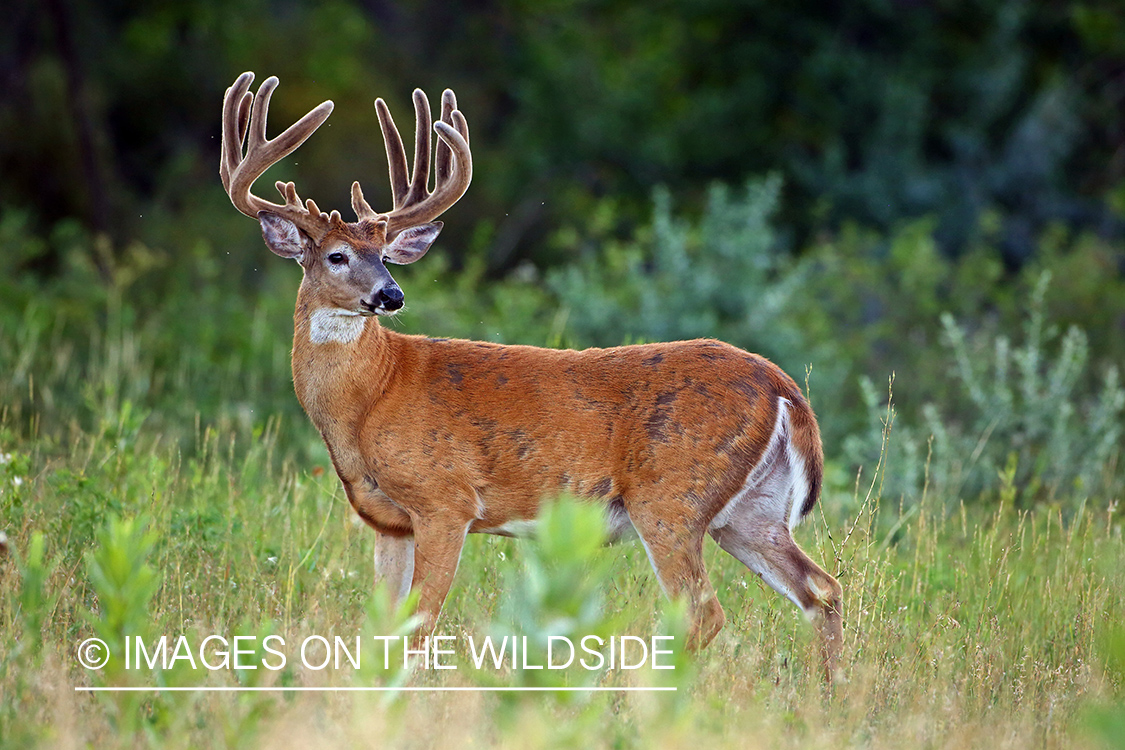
<point>394,564</point>
<point>437,551</point>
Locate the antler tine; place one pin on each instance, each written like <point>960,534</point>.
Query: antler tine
<point>236,112</point>
<point>444,158</point>
<point>362,208</point>
<point>420,180</point>
<point>244,119</point>
<point>396,156</point>
<point>454,165</point>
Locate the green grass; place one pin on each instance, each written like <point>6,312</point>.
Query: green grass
<point>158,478</point>
<point>983,626</point>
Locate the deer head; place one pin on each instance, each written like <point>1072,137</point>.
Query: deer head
<point>345,263</point>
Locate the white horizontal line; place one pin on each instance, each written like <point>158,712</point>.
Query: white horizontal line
<point>241,689</point>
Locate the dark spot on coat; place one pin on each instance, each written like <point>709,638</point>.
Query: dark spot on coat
<point>752,391</point>
<point>658,418</point>
<point>593,404</point>
<point>486,425</point>
<point>437,341</point>
<point>454,373</point>
<point>654,425</point>
<point>763,377</point>
<point>603,487</point>
<point>501,381</point>
<point>524,446</point>
<point>654,360</point>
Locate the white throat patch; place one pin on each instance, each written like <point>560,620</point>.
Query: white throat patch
<point>335,324</point>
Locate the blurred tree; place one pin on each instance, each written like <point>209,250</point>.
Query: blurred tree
<point>873,111</point>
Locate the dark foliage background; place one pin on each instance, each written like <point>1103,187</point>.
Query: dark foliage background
<point>873,111</point>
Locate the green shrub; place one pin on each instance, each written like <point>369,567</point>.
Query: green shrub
<point>1013,409</point>
<point>558,590</point>
<point>720,276</point>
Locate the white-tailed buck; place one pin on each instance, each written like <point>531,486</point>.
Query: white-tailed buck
<point>434,439</point>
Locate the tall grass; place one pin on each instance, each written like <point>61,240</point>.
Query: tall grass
<point>153,486</point>
<point>980,625</point>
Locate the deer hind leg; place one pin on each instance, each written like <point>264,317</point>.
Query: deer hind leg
<point>677,560</point>
<point>767,548</point>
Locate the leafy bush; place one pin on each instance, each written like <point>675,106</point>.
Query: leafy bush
<point>559,590</point>
<point>1017,413</point>
<point>720,276</point>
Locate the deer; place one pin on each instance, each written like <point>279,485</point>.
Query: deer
<point>434,439</point>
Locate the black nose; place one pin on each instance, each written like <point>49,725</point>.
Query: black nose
<point>389,297</point>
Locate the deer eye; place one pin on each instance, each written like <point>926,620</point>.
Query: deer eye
<point>337,258</point>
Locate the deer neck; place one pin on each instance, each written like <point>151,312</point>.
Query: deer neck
<point>341,365</point>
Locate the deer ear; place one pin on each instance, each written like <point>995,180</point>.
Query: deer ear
<point>411,244</point>
<point>282,236</point>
